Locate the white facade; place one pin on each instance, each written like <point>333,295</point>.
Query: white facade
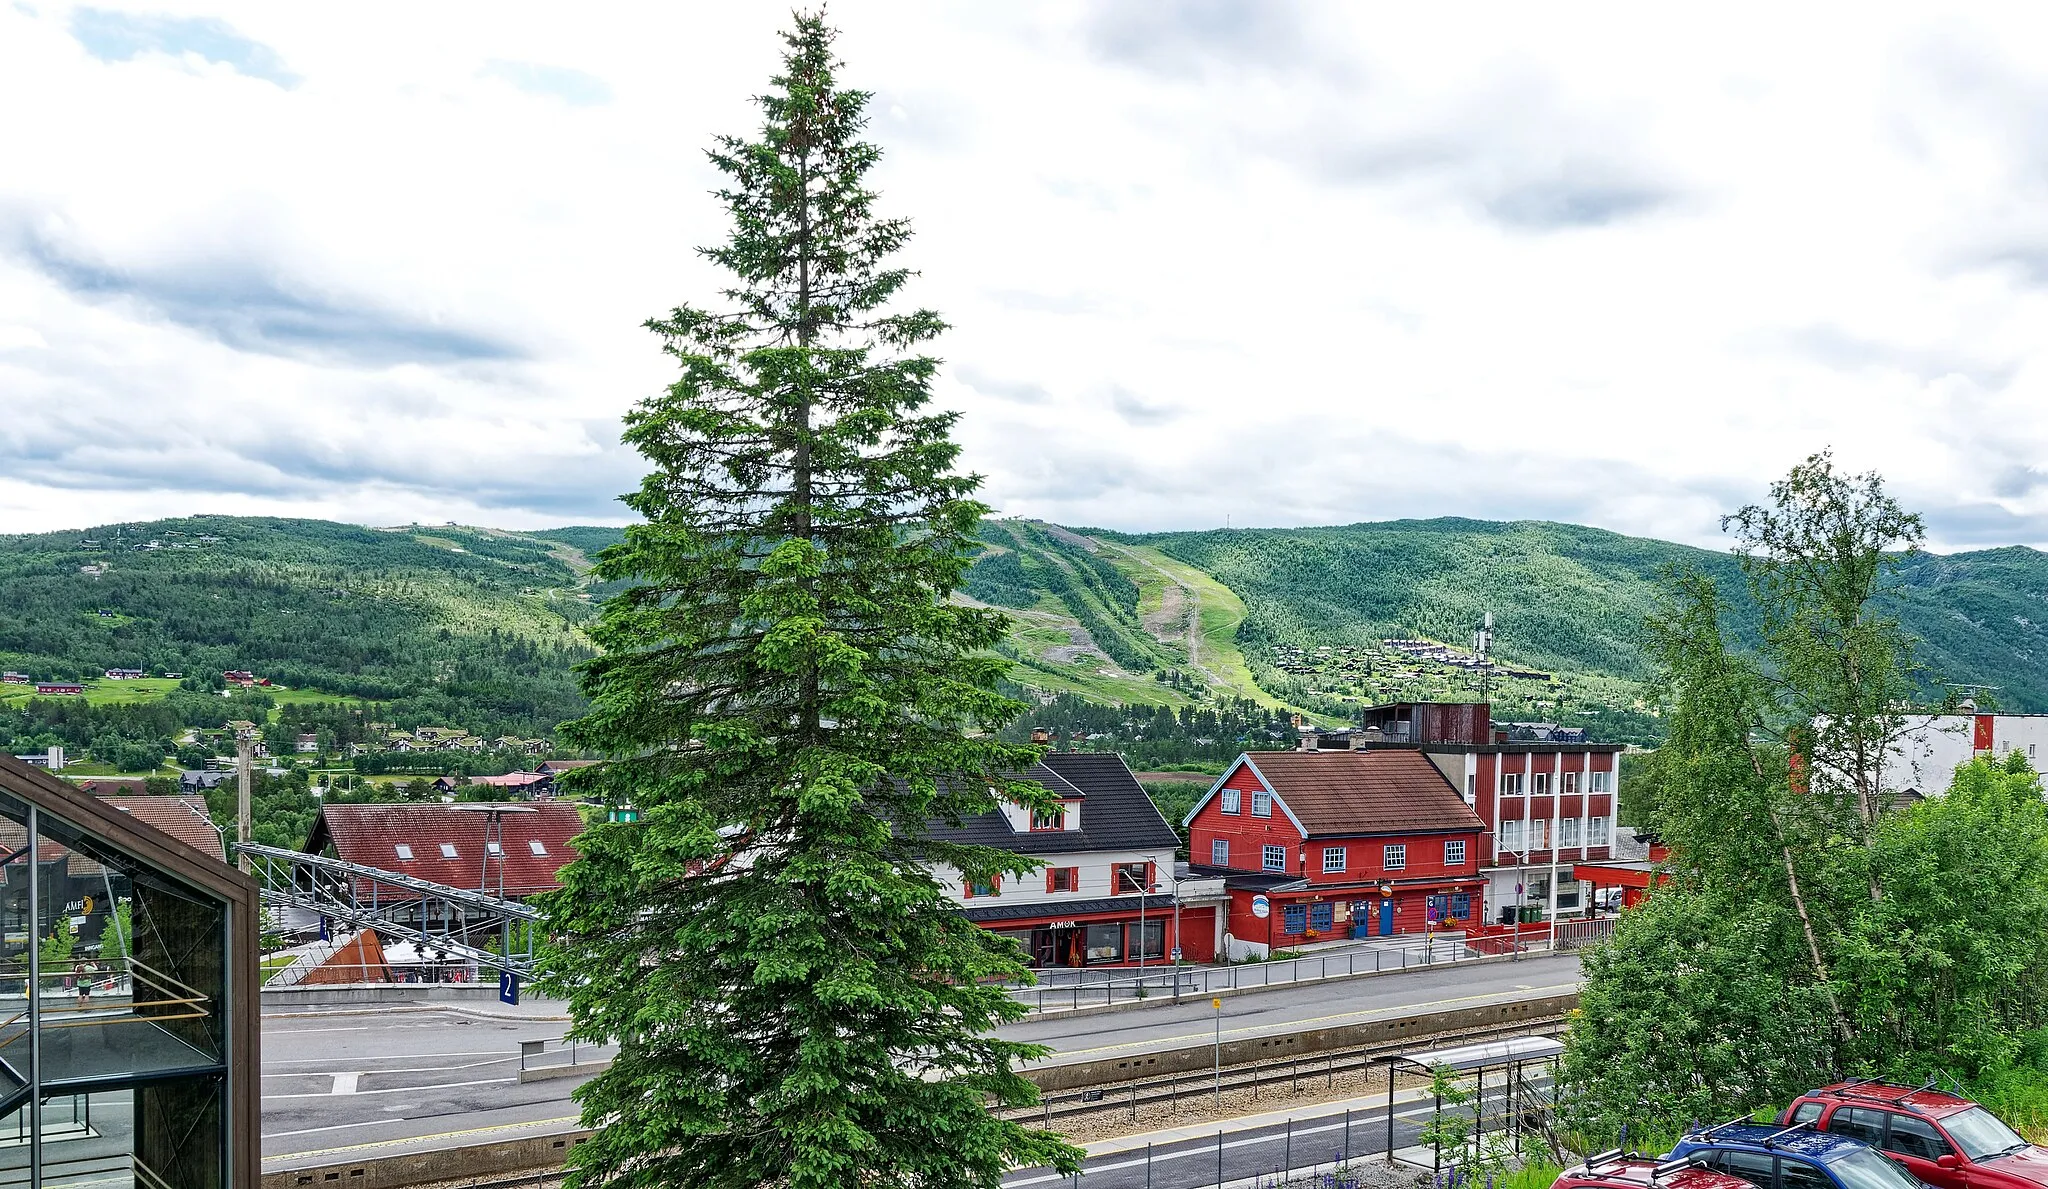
<point>1092,878</point>
<point>1927,753</point>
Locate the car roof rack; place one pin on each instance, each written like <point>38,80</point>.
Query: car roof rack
<point>1738,1121</point>
<point>1851,1090</point>
<point>1772,1139</point>
<point>1672,1166</point>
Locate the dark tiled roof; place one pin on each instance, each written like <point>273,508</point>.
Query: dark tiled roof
<point>1338,793</point>
<point>183,818</point>
<point>371,834</point>
<point>982,913</point>
<point>1115,812</point>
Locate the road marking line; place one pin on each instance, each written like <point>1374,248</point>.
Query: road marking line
<point>400,1089</point>
<point>417,1139</point>
<point>297,1031</point>
<point>1064,1056</point>
<point>315,1073</point>
<point>345,1083</point>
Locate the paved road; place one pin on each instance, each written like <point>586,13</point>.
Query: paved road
<point>345,1086</point>
<point>1312,1005</point>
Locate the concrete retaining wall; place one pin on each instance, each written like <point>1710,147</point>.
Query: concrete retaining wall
<point>1106,1070</point>
<point>447,1164</point>
<point>373,993</point>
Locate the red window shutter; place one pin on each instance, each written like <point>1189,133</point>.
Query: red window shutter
<point>1048,877</point>
<point>1151,875</point>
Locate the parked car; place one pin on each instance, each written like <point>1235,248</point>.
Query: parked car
<point>1619,1169</point>
<point>1945,1140</point>
<point>1796,1157</point>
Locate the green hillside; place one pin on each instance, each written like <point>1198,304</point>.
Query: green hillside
<point>473,627</point>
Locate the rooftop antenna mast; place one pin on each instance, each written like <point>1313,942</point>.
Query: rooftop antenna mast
<point>1482,643</point>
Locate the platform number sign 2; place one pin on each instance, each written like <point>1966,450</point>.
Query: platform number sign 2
<point>508,987</point>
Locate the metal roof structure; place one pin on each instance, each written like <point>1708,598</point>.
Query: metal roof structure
<point>1487,1054</point>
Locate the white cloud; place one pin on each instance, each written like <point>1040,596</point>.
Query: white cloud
<point>1204,259</point>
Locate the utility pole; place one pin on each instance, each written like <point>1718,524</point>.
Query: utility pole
<point>245,751</point>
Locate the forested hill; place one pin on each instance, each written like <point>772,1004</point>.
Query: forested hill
<point>473,627</point>
<point>1571,598</point>
<point>481,628</point>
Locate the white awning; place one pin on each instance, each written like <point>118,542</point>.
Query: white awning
<point>1510,1051</point>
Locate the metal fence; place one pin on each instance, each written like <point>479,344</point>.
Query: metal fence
<point>1055,992</point>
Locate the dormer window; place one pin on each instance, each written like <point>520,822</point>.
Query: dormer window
<point>1049,819</point>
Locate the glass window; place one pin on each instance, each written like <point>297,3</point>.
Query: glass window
<point>1858,1122</point>
<point>1798,1174</point>
<point>1511,834</point>
<point>1539,834</point>
<point>1454,852</point>
<point>1568,832</point>
<point>1916,1138</point>
<point>991,886</point>
<point>1754,1167</point>
<point>1273,858</point>
<point>1570,783</point>
<point>1147,940</point>
<point>1232,800</point>
<point>1461,906</point>
<point>1333,859</point>
<point>448,850</point>
<point>1049,819</point>
<point>534,844</point>
<point>1395,857</point>
<point>1133,877</point>
<point>1062,879</point>
<point>1597,781</point>
<point>495,850</point>
<point>1861,1168</point>
<point>1981,1134</point>
<point>1219,852</point>
<point>1322,917</point>
<point>1293,918</point>
<point>1596,832</point>
<point>1262,804</point>
<point>1511,784</point>
<point>404,851</point>
<point>1105,943</point>
<point>1807,1113</point>
<point>1471,787</point>
<point>1539,784</point>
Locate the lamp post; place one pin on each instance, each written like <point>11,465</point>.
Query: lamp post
<point>1521,883</point>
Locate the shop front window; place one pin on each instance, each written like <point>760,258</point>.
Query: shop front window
<point>1294,918</point>
<point>1322,917</point>
<point>1105,943</point>
<point>1148,940</point>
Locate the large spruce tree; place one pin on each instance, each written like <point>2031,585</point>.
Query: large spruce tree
<point>788,697</point>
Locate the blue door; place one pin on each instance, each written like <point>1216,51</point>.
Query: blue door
<point>1386,918</point>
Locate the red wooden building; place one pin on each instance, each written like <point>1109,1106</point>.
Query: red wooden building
<point>1320,844</point>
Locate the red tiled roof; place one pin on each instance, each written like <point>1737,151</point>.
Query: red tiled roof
<point>1336,793</point>
<point>108,786</point>
<point>370,835</point>
<point>183,818</point>
<point>511,780</point>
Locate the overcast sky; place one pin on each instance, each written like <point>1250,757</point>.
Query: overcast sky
<point>1267,263</point>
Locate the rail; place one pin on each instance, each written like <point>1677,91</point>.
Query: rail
<point>1175,981</point>
<point>1255,1074</point>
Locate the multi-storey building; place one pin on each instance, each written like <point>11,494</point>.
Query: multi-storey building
<point>1108,893</point>
<point>1547,802</point>
<point>1922,760</point>
<point>1338,843</point>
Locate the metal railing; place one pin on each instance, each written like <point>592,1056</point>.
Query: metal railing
<point>1052,994</point>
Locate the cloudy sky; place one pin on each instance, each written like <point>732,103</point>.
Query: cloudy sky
<point>1209,261</point>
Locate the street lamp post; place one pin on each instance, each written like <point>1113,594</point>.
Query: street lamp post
<point>1521,886</point>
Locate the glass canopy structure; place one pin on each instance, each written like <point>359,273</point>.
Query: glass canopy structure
<point>128,1022</point>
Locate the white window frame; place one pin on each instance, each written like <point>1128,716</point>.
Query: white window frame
<point>1333,860</point>
<point>1454,852</point>
<point>1219,852</point>
<point>1511,784</point>
<point>1539,784</point>
<point>1568,831</point>
<point>536,846</point>
<point>1232,802</point>
<point>495,849</point>
<point>1571,783</point>
<point>404,851</point>
<point>1262,803</point>
<point>1511,834</point>
<point>1596,831</point>
<point>1273,858</point>
<point>1596,782</point>
<point>1394,856</point>
<point>1471,787</point>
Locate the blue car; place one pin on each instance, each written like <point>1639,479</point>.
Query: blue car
<point>1773,1157</point>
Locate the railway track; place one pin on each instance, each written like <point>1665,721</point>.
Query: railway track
<point>1255,1075</point>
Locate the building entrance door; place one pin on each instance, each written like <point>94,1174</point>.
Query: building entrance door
<point>1386,918</point>
<point>1057,945</point>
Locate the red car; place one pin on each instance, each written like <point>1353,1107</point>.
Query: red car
<point>1944,1141</point>
<point>1623,1170</point>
